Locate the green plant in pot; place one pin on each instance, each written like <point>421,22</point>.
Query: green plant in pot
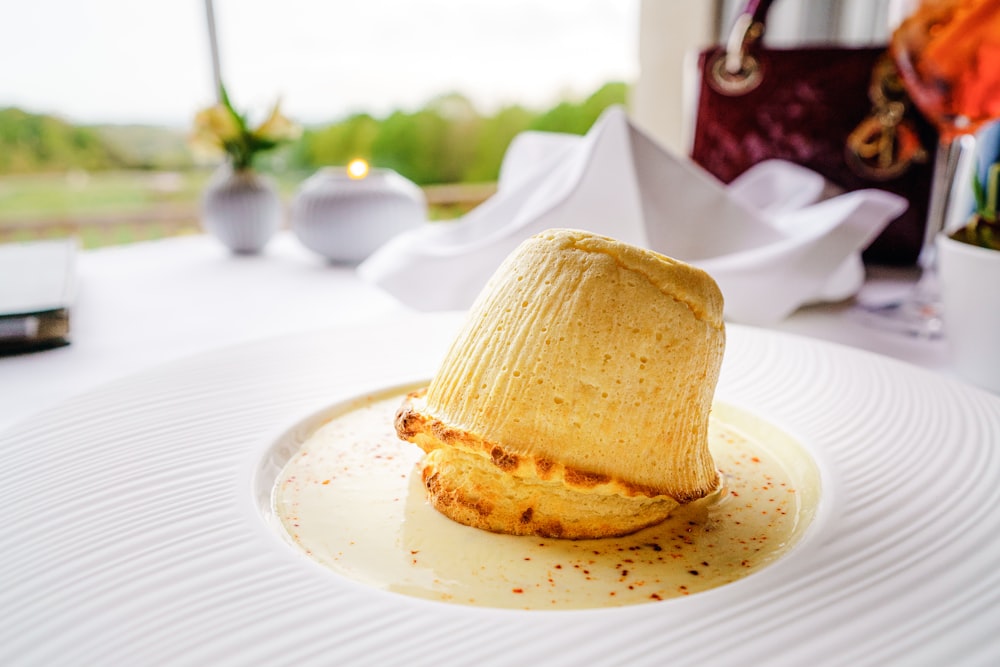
<point>968,265</point>
<point>983,227</point>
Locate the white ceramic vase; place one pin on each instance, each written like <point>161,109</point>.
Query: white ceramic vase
<point>345,219</point>
<point>242,209</point>
<point>971,308</point>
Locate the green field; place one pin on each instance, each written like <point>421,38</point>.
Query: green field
<point>114,207</point>
<point>77,194</point>
<point>101,208</point>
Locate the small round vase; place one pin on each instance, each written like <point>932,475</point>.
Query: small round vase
<point>346,219</point>
<point>242,209</point>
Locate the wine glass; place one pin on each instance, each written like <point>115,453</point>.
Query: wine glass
<point>947,53</point>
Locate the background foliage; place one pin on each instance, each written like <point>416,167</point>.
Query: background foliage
<point>447,141</point>
<point>33,143</point>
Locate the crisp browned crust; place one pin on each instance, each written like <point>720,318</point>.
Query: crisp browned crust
<point>415,425</point>
<point>469,489</point>
<point>480,484</point>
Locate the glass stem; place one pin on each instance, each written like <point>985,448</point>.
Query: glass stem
<point>919,312</point>
<point>950,154</point>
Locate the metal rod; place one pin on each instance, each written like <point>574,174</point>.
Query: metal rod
<point>213,45</point>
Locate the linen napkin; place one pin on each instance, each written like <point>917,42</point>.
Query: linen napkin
<point>766,239</point>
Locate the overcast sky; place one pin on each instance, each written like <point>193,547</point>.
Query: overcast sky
<point>148,61</point>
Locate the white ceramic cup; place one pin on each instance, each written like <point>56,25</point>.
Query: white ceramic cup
<point>969,276</point>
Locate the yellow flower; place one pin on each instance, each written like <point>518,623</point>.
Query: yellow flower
<point>277,127</point>
<point>221,128</point>
<point>216,126</point>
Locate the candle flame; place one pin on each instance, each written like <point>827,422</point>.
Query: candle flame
<point>357,169</point>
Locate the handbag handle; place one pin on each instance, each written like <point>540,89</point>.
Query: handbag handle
<point>737,71</point>
<point>757,9</point>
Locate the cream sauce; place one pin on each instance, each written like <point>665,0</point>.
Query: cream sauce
<point>351,498</point>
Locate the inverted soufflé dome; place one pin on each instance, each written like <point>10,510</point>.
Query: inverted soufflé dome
<point>574,402</point>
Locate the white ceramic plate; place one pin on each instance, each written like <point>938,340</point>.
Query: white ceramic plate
<point>134,534</point>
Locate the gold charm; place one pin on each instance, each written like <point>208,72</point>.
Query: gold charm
<point>885,144</point>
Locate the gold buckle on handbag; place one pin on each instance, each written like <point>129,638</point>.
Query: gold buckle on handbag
<point>735,71</point>
<point>885,143</point>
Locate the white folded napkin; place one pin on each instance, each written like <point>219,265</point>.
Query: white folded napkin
<point>763,239</point>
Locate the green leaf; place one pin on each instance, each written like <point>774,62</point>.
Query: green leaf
<point>992,192</point>
<point>979,194</point>
<point>237,116</point>
<point>224,97</point>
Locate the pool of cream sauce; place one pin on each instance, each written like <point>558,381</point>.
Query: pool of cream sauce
<point>351,498</point>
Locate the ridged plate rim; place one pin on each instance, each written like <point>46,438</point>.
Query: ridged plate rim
<point>134,532</point>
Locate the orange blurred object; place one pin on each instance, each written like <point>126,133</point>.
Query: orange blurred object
<point>948,54</point>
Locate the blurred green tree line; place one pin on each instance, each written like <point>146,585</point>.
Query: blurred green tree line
<point>447,141</point>
<point>37,143</point>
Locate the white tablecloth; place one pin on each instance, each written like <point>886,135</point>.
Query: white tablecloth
<point>149,303</point>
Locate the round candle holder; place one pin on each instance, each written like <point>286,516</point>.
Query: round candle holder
<point>345,216</point>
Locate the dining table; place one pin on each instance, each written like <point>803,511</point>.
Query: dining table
<point>141,461</point>
<point>148,303</point>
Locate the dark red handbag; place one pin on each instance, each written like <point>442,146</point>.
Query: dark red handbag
<point>841,112</point>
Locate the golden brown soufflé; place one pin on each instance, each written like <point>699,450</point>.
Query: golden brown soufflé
<point>574,401</point>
